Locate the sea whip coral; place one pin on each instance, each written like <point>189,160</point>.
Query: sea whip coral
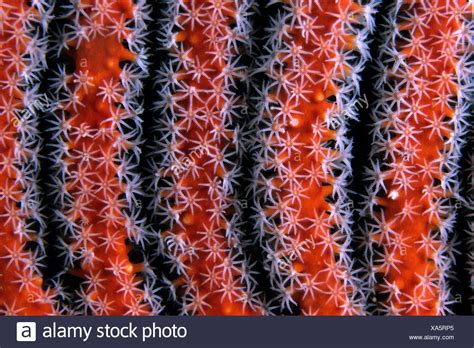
<point>316,51</point>
<point>413,183</point>
<point>293,158</point>
<point>197,152</point>
<point>99,130</point>
<point>22,53</point>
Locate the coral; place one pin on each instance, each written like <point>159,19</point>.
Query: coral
<point>196,156</point>
<point>420,120</point>
<point>230,180</point>
<point>316,51</point>
<point>22,47</point>
<point>98,127</point>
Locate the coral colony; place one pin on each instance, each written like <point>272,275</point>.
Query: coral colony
<point>303,155</point>
<point>22,50</point>
<point>199,147</point>
<point>131,130</point>
<point>98,132</point>
<point>420,121</point>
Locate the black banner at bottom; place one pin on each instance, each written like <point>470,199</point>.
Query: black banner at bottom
<point>248,332</point>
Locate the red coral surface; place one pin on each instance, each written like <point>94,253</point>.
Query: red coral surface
<point>21,284</point>
<point>307,150</point>
<point>94,144</point>
<point>416,214</point>
<point>205,105</point>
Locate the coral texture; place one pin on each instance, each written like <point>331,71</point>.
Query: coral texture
<point>99,129</point>
<point>197,156</point>
<point>316,51</point>
<point>413,183</point>
<point>22,48</point>
<point>210,157</point>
